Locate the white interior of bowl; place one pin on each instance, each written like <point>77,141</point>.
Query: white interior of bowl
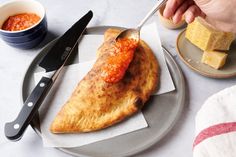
<point>20,6</point>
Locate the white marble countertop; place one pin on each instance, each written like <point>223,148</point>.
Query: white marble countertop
<point>61,15</point>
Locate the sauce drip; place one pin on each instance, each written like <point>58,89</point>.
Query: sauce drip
<point>121,55</point>
<point>20,22</point>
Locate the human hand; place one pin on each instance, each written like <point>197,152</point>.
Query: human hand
<point>219,13</point>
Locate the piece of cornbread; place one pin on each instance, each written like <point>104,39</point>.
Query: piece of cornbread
<point>214,59</point>
<point>206,37</point>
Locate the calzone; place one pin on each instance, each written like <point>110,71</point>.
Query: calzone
<point>96,104</point>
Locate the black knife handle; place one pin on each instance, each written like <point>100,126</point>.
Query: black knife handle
<point>14,130</point>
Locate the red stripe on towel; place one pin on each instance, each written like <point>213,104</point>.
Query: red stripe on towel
<point>214,131</point>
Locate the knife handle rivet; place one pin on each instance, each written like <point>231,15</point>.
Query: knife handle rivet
<point>30,104</point>
<point>42,84</point>
<point>16,126</point>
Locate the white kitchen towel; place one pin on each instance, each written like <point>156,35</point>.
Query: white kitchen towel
<point>216,126</point>
<point>72,74</point>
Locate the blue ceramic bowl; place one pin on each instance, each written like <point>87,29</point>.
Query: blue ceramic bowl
<point>30,37</point>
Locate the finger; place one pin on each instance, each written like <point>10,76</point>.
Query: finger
<point>181,10</point>
<point>192,12</point>
<point>203,15</point>
<point>171,7</point>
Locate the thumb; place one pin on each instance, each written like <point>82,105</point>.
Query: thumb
<point>220,25</point>
<point>201,3</point>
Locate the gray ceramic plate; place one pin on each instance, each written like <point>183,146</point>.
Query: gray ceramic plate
<point>161,113</point>
<point>191,56</point>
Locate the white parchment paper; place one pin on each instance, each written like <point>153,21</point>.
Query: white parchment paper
<point>72,74</point>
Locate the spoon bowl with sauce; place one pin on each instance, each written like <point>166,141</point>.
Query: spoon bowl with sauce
<point>23,23</point>
<point>123,51</point>
<point>134,33</point>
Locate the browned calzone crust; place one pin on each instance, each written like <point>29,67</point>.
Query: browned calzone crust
<point>96,104</point>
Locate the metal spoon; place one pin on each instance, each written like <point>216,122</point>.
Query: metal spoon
<point>134,33</point>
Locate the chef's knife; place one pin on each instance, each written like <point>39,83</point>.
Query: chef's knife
<point>54,60</point>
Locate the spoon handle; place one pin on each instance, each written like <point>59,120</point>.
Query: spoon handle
<point>151,12</point>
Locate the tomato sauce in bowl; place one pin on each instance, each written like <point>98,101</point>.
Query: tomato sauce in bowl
<point>121,55</point>
<point>20,22</point>
<point>23,23</point>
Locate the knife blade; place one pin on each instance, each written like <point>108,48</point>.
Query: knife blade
<point>54,60</point>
